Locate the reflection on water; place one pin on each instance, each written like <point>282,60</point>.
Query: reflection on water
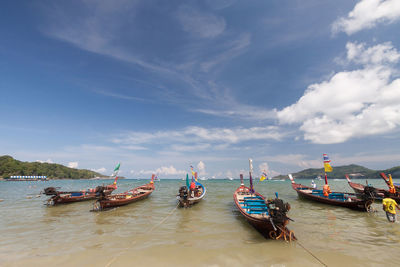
<point>152,232</point>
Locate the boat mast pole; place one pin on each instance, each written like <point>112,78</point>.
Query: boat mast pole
<point>241,179</point>
<point>251,178</point>
<point>326,176</point>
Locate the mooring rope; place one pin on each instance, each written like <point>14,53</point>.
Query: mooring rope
<point>145,232</point>
<point>311,254</point>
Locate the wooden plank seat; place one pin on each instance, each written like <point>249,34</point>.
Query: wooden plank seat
<point>257,212</point>
<point>257,209</point>
<point>246,208</point>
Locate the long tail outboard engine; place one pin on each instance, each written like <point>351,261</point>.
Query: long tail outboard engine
<point>278,210</point>
<point>50,191</point>
<point>369,197</point>
<point>183,192</point>
<point>100,191</point>
<point>369,193</point>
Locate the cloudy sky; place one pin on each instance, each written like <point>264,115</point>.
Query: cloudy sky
<point>162,85</point>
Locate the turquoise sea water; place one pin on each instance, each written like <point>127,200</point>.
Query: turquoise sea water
<point>212,233</point>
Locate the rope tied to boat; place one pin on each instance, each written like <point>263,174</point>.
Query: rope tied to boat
<point>145,232</point>
<point>285,233</point>
<point>309,252</point>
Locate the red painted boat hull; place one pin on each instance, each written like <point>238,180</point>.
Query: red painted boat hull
<point>131,196</point>
<point>66,197</point>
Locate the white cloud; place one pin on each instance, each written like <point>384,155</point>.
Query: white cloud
<point>229,51</point>
<point>263,167</point>
<point>299,160</point>
<point>241,111</point>
<point>199,23</point>
<point>220,4</point>
<point>194,147</point>
<point>133,147</point>
<point>378,54</point>
<point>356,103</point>
<point>73,164</point>
<point>171,170</point>
<point>100,170</point>
<point>46,161</point>
<point>367,14</point>
<point>164,170</point>
<point>202,168</point>
<point>201,137</point>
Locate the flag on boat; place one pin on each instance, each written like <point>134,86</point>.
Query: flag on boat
<point>191,168</point>
<point>263,176</point>
<point>187,181</point>
<point>117,167</point>
<point>115,173</point>
<point>327,165</point>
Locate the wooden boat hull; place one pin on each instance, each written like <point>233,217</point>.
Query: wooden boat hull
<point>184,203</point>
<point>68,197</point>
<point>263,223</point>
<point>352,202</point>
<point>117,200</point>
<point>189,201</point>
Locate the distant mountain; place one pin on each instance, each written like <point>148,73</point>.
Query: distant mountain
<point>10,166</point>
<point>355,171</point>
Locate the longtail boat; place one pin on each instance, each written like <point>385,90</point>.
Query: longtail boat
<point>267,216</point>
<point>326,196</point>
<point>65,197</point>
<point>360,189</point>
<point>192,193</point>
<point>128,197</point>
<point>342,199</point>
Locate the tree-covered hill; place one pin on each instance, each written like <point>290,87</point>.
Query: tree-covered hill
<point>10,166</point>
<point>355,171</point>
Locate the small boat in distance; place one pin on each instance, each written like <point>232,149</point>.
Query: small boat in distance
<point>192,193</point>
<point>64,197</point>
<point>267,216</point>
<point>26,178</point>
<point>116,200</point>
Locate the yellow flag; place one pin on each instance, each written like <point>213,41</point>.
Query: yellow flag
<point>262,178</point>
<point>327,167</point>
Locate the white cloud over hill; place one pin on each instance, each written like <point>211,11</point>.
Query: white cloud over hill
<point>354,103</point>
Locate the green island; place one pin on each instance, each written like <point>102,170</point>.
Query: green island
<point>339,172</point>
<point>10,166</point>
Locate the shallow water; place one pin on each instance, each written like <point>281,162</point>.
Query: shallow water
<point>212,233</point>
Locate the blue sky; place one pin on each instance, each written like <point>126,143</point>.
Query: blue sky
<point>162,85</point>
